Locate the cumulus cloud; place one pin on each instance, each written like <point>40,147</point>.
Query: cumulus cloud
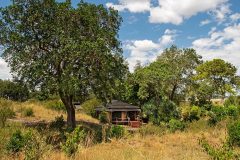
<point>4,70</point>
<point>172,11</point>
<point>134,6</point>
<point>146,51</point>
<point>220,12</point>
<point>222,44</point>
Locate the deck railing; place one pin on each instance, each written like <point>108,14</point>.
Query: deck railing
<point>126,121</point>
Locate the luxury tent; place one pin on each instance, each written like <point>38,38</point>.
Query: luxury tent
<point>122,113</point>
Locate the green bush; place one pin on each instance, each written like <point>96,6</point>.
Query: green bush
<point>16,142</point>
<point>232,100</point>
<point>103,117</point>
<point>56,105</point>
<point>195,113</point>
<point>234,133</point>
<point>74,140</point>
<point>151,129</point>
<point>117,131</point>
<point>175,125</point>
<point>5,112</point>
<point>216,114</point>
<point>232,111</point>
<point>27,112</point>
<point>90,105</point>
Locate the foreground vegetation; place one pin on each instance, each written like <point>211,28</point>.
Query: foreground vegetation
<point>196,139</point>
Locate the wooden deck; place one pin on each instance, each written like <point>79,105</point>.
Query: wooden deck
<point>131,123</point>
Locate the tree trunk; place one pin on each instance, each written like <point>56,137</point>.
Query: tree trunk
<point>173,92</point>
<point>67,101</point>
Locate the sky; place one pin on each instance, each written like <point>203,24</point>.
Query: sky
<point>211,27</point>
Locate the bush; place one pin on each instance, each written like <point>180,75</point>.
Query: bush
<point>232,111</point>
<point>58,123</point>
<point>5,112</point>
<point>195,113</point>
<point>16,142</point>
<point>56,105</point>
<point>90,105</point>
<point>74,140</point>
<point>234,133</point>
<point>232,100</point>
<point>27,112</point>
<point>217,114</point>
<point>150,129</point>
<point>103,117</point>
<point>117,131</point>
<point>175,125</point>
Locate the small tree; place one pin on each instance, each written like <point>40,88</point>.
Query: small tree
<point>73,51</point>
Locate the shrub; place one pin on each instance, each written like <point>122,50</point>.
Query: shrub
<point>117,131</point>
<point>175,125</point>
<point>151,129</point>
<point>58,123</point>
<point>216,114</point>
<point>27,112</point>
<point>90,105</point>
<point>74,139</point>
<point>103,117</point>
<point>232,100</point>
<point>185,112</point>
<point>195,113</point>
<point>234,133</point>
<point>16,142</point>
<point>56,105</point>
<point>5,112</point>
<point>225,151</point>
<point>232,111</point>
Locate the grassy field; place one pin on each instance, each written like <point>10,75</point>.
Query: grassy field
<point>176,146</point>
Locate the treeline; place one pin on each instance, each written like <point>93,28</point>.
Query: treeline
<point>13,90</point>
<point>176,77</point>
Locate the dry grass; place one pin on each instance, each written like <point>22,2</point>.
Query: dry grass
<point>172,146</point>
<point>42,113</point>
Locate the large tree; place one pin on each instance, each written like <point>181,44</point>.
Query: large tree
<point>219,75</point>
<point>52,45</point>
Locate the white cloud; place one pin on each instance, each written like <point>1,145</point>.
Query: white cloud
<point>131,5</point>
<point>4,70</point>
<point>205,22</point>
<point>172,11</point>
<point>222,44</point>
<point>146,51</point>
<point>235,17</point>
<point>220,13</point>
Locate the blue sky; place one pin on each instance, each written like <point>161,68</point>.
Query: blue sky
<point>212,27</point>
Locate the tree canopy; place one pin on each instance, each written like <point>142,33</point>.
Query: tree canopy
<point>74,51</point>
<point>218,75</point>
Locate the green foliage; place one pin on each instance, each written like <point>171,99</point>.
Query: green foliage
<point>74,141</point>
<point>216,114</point>
<point>162,112</point>
<point>73,50</point>
<point>195,113</point>
<point>232,100</point>
<point>5,111</point>
<point>175,125</point>
<point>56,105</point>
<point>27,112</point>
<point>16,142</point>
<point>220,152</point>
<point>90,105</point>
<point>117,131</point>
<point>13,90</point>
<point>151,129</point>
<point>103,117</point>
<point>232,111</point>
<point>218,75</point>
<point>234,133</point>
